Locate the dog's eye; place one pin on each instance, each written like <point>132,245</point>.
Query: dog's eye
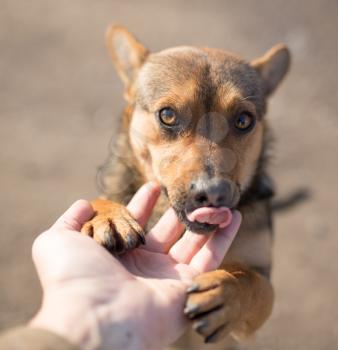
<point>167,116</point>
<point>244,121</point>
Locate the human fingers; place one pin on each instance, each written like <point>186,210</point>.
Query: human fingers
<point>165,233</point>
<point>143,202</point>
<point>74,217</point>
<point>211,255</point>
<point>190,243</point>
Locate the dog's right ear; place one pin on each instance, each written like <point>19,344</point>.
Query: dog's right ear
<point>272,67</point>
<point>127,53</point>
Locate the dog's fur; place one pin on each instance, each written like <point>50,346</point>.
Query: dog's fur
<point>207,88</point>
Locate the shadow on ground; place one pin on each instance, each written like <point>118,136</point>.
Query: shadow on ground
<point>60,102</point>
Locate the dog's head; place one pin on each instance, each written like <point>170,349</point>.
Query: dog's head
<point>197,124</point>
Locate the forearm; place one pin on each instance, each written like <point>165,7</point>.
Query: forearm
<point>257,296</point>
<point>29,338</point>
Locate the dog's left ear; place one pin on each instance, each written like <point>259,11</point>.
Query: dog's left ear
<point>272,67</point>
<point>127,53</point>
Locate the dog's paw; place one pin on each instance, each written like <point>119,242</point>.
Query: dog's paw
<point>113,227</point>
<point>213,305</point>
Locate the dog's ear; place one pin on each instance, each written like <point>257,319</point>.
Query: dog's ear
<point>272,67</point>
<point>127,53</point>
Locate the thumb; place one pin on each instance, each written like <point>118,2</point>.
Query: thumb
<point>75,216</point>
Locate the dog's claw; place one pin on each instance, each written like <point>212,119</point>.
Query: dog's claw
<point>213,336</point>
<point>191,310</point>
<point>114,228</point>
<point>213,305</point>
<point>193,288</point>
<point>142,238</point>
<point>197,326</point>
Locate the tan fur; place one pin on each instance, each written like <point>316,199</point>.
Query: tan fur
<point>206,88</point>
<point>113,227</point>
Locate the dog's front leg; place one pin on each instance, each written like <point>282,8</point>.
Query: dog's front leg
<point>113,227</point>
<point>236,300</point>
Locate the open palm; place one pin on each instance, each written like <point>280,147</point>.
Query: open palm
<point>134,301</point>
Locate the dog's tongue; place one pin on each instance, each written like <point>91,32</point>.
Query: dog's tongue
<point>216,216</point>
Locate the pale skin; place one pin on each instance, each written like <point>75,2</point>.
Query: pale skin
<point>135,301</point>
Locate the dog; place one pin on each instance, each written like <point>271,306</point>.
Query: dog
<point>195,123</point>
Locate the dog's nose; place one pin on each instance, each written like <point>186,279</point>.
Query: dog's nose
<point>217,193</point>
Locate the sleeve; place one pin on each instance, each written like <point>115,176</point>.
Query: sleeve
<point>25,338</point>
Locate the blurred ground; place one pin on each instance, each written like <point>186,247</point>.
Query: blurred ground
<point>59,103</point>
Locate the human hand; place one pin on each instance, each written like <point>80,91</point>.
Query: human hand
<point>136,302</point>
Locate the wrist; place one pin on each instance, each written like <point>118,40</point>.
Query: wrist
<point>89,324</point>
<point>71,318</point>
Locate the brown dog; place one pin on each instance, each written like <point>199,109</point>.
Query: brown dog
<point>194,122</point>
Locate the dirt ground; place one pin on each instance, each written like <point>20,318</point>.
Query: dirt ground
<point>59,104</point>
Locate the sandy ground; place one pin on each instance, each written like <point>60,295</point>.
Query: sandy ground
<point>59,104</point>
